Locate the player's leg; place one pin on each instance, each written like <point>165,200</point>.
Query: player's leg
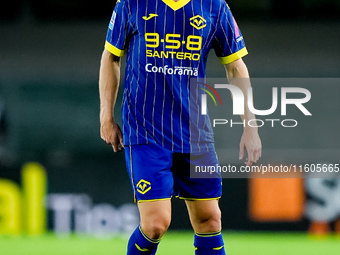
<point>201,196</point>
<point>152,182</point>
<point>205,217</point>
<point>155,220</point>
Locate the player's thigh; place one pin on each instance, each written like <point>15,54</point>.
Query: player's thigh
<point>155,210</point>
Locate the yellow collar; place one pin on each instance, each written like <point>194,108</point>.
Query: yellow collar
<point>176,5</point>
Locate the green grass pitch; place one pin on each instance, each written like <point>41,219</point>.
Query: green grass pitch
<point>174,243</point>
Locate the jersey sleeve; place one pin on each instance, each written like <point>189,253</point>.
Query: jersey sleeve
<point>228,42</point>
<point>119,29</point>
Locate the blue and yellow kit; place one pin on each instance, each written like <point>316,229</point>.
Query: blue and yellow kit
<point>167,45</point>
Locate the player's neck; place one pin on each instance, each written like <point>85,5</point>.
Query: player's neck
<point>175,0</point>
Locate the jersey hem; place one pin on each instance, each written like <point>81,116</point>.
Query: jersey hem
<point>114,50</point>
<point>235,56</point>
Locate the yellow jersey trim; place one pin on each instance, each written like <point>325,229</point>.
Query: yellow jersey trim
<point>235,56</point>
<point>176,5</point>
<point>199,199</point>
<point>114,50</point>
<point>218,248</point>
<point>152,200</point>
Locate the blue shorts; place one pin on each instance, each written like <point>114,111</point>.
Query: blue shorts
<point>158,174</point>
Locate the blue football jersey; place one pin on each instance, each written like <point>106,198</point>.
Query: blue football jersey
<point>166,45</point>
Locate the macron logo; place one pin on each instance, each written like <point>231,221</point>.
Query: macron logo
<point>151,15</point>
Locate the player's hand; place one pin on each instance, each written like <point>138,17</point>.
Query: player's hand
<point>110,132</point>
<point>251,142</point>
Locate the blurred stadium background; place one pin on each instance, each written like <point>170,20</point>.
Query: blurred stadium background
<point>49,62</point>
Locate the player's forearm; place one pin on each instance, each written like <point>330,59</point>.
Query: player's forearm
<point>109,76</point>
<point>238,75</point>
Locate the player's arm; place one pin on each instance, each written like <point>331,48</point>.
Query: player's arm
<point>238,75</point>
<point>109,77</point>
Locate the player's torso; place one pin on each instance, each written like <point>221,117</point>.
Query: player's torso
<point>167,46</point>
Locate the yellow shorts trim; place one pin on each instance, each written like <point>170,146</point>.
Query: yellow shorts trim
<point>153,200</point>
<point>114,50</point>
<point>199,199</point>
<point>231,58</point>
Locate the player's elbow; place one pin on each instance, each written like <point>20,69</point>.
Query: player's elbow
<point>236,69</point>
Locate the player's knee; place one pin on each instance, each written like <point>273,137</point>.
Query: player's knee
<point>156,229</point>
<point>213,225</point>
<point>209,223</point>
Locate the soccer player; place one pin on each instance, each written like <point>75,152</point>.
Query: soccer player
<point>166,43</point>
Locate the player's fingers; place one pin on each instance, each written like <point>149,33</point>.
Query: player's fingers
<point>120,147</point>
<point>109,140</point>
<point>248,162</point>
<point>102,136</point>
<point>260,153</point>
<point>115,149</point>
<point>241,153</point>
<point>115,146</point>
<point>105,137</point>
<point>121,141</point>
<point>251,154</point>
<point>255,156</point>
<point>257,153</point>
